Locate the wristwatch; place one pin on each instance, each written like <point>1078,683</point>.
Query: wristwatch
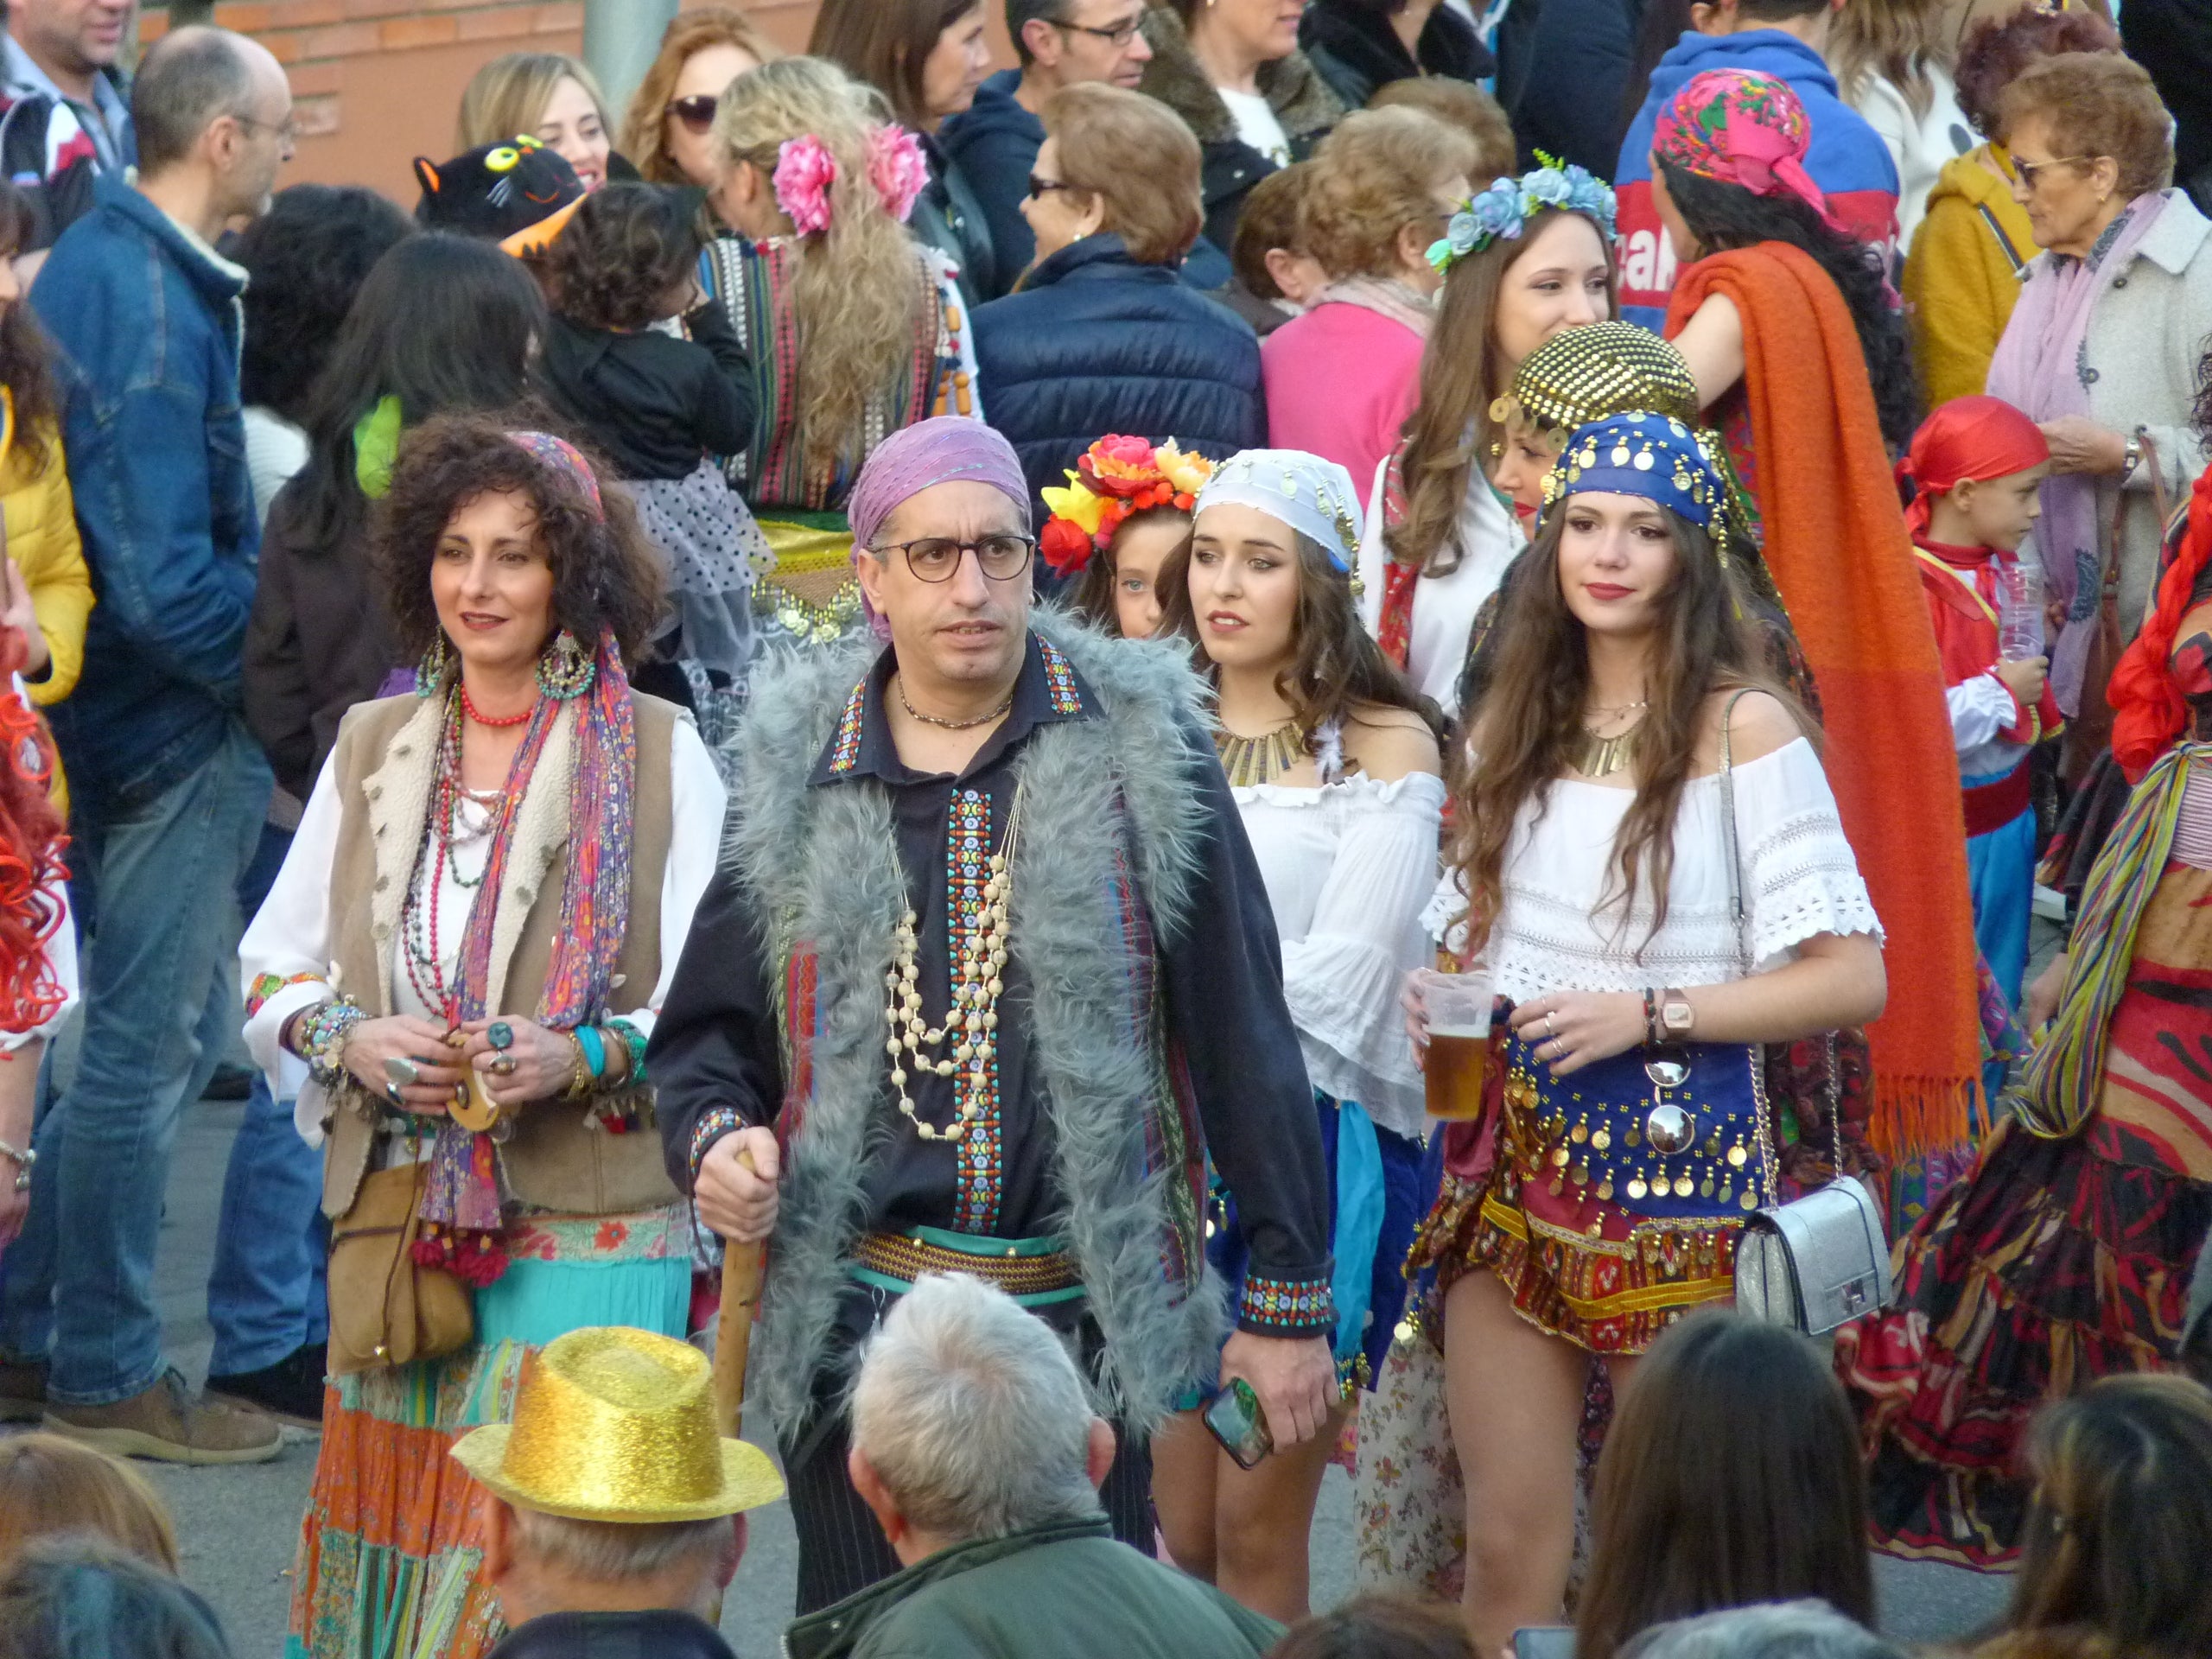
<point>1676,1015</point>
<point>2132,456</point>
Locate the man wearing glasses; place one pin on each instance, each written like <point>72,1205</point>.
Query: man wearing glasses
<point>988,974</point>
<point>995,141</point>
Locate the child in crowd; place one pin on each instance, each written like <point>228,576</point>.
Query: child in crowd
<point>1976,464</point>
<point>660,405</point>
<point>1125,513</point>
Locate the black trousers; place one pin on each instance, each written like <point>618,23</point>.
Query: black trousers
<point>841,1548</point>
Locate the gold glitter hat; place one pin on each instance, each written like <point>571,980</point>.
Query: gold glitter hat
<point>616,1424</point>
<point>1582,375</point>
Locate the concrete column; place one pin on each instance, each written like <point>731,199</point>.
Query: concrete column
<point>620,37</point>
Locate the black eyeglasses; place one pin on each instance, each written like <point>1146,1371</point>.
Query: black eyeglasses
<point>697,112</point>
<point>936,558</point>
<point>1121,34</point>
<point>1042,187</point>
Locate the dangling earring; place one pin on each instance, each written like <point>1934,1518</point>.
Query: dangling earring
<point>432,668</point>
<point>565,670</point>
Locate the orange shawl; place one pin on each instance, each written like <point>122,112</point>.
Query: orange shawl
<point>1837,544</point>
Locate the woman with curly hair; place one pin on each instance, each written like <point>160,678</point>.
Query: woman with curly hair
<point>1962,274</point>
<point>455,974</point>
<point>660,406</point>
<point>854,328</point>
<point>1786,323</point>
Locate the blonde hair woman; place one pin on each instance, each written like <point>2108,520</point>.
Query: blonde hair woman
<point>552,97</point>
<point>1893,60</point>
<point>50,1485</point>
<point>855,328</point>
<point>669,133</point>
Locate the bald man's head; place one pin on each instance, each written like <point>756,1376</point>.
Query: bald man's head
<point>193,77</point>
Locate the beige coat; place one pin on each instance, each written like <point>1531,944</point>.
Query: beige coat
<point>385,765</point>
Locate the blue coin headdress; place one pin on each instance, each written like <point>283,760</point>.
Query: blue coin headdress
<point>1654,456</point>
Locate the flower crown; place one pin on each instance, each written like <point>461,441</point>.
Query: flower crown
<point>1115,477</point>
<point>805,169</point>
<point>1505,209</point>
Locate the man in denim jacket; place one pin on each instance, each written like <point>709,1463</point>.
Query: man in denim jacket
<point>171,789</point>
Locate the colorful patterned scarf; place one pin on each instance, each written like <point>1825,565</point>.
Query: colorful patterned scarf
<point>1737,126</point>
<point>462,1190</point>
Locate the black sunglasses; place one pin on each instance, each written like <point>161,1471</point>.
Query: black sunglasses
<point>1039,187</point>
<point>697,112</point>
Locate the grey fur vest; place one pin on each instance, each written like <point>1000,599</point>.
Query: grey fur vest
<point>1111,835</point>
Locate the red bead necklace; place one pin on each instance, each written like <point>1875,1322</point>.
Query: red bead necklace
<point>468,707</point>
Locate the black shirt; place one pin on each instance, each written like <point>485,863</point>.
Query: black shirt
<point>656,405</point>
<point>716,1044</point>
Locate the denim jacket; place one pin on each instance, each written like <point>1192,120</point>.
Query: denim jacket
<point>148,325</point>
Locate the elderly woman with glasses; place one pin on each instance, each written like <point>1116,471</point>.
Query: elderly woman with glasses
<point>455,974</point>
<point>2101,350</point>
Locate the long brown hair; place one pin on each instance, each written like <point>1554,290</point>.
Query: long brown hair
<point>2122,1522</point>
<point>26,356</point>
<point>1898,40</point>
<point>885,43</point>
<point>645,129</point>
<point>1731,1476</point>
<point>1449,432</point>
<point>1335,663</point>
<point>50,1485</point>
<point>1530,724</point>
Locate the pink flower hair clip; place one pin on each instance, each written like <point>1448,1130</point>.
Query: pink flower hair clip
<point>896,169</point>
<point>804,172</point>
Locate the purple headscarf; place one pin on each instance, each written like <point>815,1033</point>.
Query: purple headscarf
<point>935,451</point>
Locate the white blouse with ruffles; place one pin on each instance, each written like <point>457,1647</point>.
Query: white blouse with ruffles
<point>291,933</point>
<point>1347,867</point>
<point>1563,927</point>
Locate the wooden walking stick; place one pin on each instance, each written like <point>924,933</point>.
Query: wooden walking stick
<point>741,1265</point>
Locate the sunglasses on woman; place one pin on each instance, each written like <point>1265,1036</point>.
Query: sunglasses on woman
<point>1038,188</point>
<point>697,112</point>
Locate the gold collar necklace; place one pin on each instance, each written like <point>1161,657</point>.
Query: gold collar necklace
<point>1248,761</point>
<point>1601,757</point>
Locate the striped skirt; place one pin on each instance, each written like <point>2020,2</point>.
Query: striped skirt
<point>391,1546</point>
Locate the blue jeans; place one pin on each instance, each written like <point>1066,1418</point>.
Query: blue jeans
<point>161,999</point>
<point>265,1288</point>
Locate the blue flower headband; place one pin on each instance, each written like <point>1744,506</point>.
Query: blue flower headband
<point>1506,207</point>
<point>1653,456</point>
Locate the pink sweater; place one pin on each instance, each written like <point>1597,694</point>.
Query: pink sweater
<point>1340,380</point>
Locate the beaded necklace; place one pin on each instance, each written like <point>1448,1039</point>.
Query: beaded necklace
<point>419,928</point>
<point>972,1022</point>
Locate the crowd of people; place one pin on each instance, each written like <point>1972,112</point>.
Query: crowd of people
<point>1274,741</point>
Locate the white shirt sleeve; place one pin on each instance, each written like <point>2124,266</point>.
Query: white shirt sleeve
<point>698,802</point>
<point>1800,878</point>
<point>291,938</point>
<point>1981,708</point>
<point>1341,980</point>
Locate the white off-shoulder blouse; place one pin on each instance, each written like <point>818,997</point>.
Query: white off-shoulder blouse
<point>1348,867</point>
<point>1563,928</point>
<point>290,935</point>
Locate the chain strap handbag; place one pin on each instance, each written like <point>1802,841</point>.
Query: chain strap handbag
<point>1822,1260</point>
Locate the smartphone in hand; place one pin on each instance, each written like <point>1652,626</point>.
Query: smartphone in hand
<point>1235,1419</point>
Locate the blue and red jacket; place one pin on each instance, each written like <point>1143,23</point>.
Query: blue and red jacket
<point>1847,160</point>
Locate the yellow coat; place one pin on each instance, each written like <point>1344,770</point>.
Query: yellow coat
<point>41,523</point>
<point>1962,276</point>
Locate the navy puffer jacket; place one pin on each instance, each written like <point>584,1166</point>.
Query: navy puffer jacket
<point>1097,343</point>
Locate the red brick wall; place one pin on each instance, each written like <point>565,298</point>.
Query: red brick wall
<point>375,83</point>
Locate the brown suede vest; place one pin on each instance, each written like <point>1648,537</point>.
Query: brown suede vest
<point>384,763</point>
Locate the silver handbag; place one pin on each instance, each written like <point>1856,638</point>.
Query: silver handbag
<point>1823,1260</point>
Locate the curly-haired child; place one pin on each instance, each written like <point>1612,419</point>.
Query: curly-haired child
<point>662,405</point>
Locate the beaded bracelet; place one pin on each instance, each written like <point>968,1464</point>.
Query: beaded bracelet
<point>634,1040</point>
<point>321,1038</point>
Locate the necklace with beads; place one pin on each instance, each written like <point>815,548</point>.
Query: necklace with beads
<point>1247,761</point>
<point>971,1024</point>
<point>419,928</point>
<point>468,707</point>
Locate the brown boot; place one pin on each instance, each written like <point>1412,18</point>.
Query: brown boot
<point>22,1390</point>
<point>169,1423</point>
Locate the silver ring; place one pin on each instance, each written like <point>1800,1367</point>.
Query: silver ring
<point>1551,1029</point>
<point>1558,1048</point>
<point>402,1071</point>
<point>504,1065</point>
<point>392,1093</point>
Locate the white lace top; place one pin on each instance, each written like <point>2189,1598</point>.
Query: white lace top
<point>1348,867</point>
<point>1799,880</point>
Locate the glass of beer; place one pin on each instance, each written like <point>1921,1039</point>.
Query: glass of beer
<point>1456,1008</point>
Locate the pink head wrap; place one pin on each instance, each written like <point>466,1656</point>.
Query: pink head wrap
<point>935,451</point>
<point>1739,127</point>
<point>565,458</point>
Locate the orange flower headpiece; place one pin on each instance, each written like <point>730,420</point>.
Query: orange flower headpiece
<point>1115,477</point>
